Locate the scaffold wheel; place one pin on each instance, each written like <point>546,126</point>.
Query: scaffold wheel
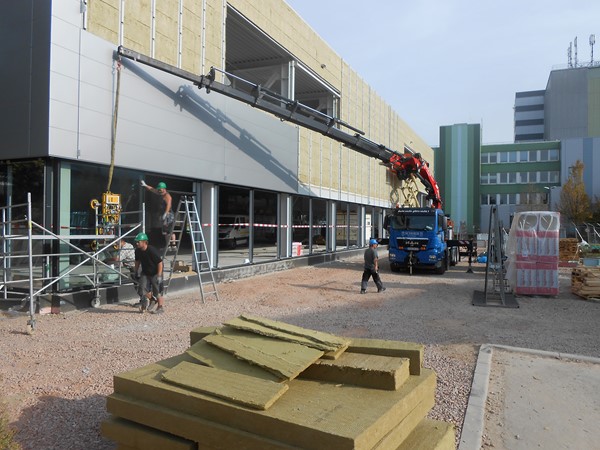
<point>95,303</point>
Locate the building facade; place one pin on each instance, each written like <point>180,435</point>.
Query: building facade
<point>518,177</point>
<point>80,122</point>
<point>457,172</point>
<point>529,116</point>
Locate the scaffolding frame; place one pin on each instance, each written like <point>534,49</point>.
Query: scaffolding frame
<point>10,236</point>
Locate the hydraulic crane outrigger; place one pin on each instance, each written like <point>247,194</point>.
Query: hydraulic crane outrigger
<point>404,165</point>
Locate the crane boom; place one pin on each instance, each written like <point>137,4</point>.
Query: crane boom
<point>403,165</point>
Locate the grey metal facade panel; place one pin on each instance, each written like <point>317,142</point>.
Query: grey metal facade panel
<point>566,104</point>
<point>529,115</point>
<point>525,101</point>
<point>25,52</point>
<point>166,125</point>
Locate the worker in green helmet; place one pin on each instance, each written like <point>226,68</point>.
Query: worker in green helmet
<point>151,286</point>
<point>166,212</point>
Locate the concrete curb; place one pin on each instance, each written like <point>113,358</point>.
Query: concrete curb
<point>472,431</point>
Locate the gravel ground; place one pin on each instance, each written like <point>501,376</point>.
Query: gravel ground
<point>54,382</point>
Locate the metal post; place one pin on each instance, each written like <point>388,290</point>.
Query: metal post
<point>31,322</point>
<point>470,247</point>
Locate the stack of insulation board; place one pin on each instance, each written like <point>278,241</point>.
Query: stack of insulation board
<point>533,253</point>
<point>260,384</point>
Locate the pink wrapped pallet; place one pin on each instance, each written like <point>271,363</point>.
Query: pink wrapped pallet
<point>533,246</point>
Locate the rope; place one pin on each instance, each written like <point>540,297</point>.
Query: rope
<point>114,129</point>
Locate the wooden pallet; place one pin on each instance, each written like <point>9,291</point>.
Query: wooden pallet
<point>585,282</point>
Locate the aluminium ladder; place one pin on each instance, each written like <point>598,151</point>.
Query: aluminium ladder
<point>187,219</point>
<point>498,294</point>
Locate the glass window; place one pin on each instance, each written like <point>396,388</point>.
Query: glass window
<point>354,224</point>
<point>512,199</point>
<point>523,156</point>
<point>341,226</point>
<point>319,226</point>
<point>554,177</point>
<point>532,155</point>
<point>401,221</point>
<point>484,158</point>
<point>301,219</point>
<point>553,155</point>
<point>493,158</point>
<point>503,178</point>
<point>484,179</point>
<point>493,178</point>
<point>544,156</point>
<point>533,177</point>
<point>513,156</point>
<point>544,177</point>
<point>234,225</point>
<point>17,178</point>
<point>512,177</point>
<point>504,157</point>
<point>265,226</point>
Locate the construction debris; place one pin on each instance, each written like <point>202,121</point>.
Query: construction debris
<point>268,387</point>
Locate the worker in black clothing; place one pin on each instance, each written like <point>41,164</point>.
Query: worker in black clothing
<point>151,280</point>
<point>371,268</point>
<point>166,214</point>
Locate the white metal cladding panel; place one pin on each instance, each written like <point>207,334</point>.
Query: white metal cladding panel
<point>167,125</point>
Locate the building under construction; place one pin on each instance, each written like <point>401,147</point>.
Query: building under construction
<point>82,127</point>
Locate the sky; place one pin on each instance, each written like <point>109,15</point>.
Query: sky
<point>443,62</point>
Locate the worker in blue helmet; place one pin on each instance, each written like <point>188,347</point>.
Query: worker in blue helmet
<point>151,286</point>
<point>371,268</point>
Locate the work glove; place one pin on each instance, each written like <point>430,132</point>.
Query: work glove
<point>164,217</point>
<point>143,183</point>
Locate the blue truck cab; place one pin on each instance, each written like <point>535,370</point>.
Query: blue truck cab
<point>418,239</point>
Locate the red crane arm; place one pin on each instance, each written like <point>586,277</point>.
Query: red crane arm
<point>412,164</point>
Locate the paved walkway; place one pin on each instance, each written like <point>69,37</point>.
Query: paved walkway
<point>550,400</point>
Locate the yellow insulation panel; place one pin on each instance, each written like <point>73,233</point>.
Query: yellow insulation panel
<point>191,50</point>
<point>323,163</point>
<point>137,27</point>
<point>103,19</point>
<point>167,31</point>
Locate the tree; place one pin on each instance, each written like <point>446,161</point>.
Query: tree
<point>574,203</point>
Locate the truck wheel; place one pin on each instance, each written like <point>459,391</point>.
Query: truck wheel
<point>394,267</point>
<point>442,269</point>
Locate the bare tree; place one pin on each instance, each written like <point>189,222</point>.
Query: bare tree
<point>574,203</point>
